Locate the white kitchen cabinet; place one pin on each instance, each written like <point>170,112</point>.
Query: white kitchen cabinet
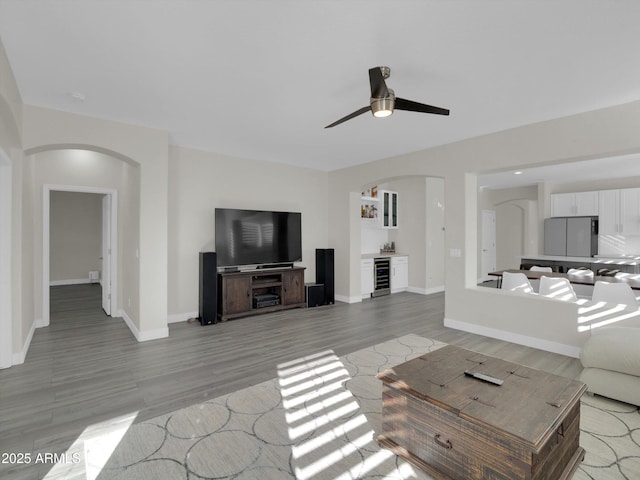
<point>399,274</point>
<point>574,204</point>
<point>619,212</point>
<point>366,279</point>
<point>609,212</point>
<point>389,214</point>
<point>630,211</point>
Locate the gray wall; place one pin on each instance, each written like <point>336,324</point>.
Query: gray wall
<point>75,236</point>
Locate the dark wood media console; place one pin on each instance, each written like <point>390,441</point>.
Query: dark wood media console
<point>238,291</point>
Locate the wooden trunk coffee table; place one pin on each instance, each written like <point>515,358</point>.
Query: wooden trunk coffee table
<point>455,426</point>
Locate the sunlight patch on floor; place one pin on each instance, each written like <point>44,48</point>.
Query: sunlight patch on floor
<point>91,451</point>
<point>332,437</point>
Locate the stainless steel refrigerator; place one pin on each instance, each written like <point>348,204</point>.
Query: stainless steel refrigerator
<point>571,236</point>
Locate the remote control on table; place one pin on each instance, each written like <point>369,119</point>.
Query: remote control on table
<point>484,377</point>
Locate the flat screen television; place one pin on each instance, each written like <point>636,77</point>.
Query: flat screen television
<point>257,237</point>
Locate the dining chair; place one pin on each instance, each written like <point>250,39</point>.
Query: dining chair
<point>557,287</point>
<point>516,282</point>
<point>607,272</point>
<point>580,272</point>
<point>618,293</point>
<point>536,268</point>
<point>633,279</point>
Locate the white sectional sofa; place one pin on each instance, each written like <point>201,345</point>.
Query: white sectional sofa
<point>611,361</point>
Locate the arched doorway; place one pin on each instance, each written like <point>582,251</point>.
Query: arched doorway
<point>104,174</point>
<point>419,231</point>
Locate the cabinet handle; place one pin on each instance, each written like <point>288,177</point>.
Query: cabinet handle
<point>446,444</point>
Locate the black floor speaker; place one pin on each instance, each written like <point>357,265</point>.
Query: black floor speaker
<point>208,286</point>
<point>314,294</point>
<point>324,273</point>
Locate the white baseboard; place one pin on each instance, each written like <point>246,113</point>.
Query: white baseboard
<point>426,291</point>
<point>144,336</point>
<point>421,291</point>
<point>75,281</point>
<point>345,299</point>
<point>533,342</point>
<point>181,317</point>
<point>19,357</point>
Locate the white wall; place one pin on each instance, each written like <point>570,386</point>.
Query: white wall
<point>15,322</point>
<point>200,181</point>
<point>75,236</point>
<point>421,230</point>
<point>435,238</point>
<point>411,235</point>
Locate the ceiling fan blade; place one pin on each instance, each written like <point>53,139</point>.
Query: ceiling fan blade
<point>402,104</point>
<point>378,85</point>
<point>350,116</point>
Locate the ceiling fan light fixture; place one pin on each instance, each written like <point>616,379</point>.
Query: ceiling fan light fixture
<point>383,100</point>
<point>383,107</point>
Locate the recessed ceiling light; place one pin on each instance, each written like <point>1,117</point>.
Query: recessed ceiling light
<point>518,173</point>
<point>77,96</point>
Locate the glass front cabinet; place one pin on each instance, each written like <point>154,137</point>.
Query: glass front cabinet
<point>389,215</point>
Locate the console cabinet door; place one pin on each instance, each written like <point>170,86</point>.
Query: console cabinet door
<point>293,287</point>
<point>237,294</point>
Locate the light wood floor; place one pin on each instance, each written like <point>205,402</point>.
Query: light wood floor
<point>87,367</point>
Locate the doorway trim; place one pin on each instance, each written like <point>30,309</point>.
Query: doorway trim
<point>46,214</point>
<point>6,290</point>
<point>488,252</point>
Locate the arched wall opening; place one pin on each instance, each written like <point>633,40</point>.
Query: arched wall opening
<point>516,232</point>
<point>419,233</point>
<point>83,168</point>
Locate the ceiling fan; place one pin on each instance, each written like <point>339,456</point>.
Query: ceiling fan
<point>383,100</point>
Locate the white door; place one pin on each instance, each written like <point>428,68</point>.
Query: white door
<point>105,277</point>
<point>488,243</point>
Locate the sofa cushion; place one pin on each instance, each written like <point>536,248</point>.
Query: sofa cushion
<point>613,348</point>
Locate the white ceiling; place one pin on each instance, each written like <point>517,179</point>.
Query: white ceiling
<point>261,78</point>
<point>598,169</point>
